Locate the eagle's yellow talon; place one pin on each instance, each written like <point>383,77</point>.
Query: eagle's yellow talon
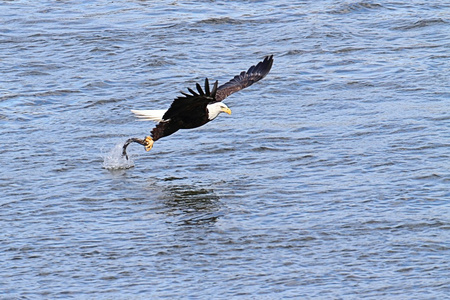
<point>148,143</point>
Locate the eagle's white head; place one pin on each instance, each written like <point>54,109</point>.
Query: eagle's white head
<point>216,108</point>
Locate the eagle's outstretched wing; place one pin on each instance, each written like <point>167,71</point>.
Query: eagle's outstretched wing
<point>245,79</point>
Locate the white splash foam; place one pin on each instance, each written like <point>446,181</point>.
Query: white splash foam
<point>114,160</point>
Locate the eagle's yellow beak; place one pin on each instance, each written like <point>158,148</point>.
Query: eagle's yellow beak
<point>226,110</point>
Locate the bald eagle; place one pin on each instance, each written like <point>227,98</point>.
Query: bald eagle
<point>197,108</point>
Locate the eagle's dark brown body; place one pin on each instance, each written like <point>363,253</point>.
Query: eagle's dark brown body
<point>186,112</point>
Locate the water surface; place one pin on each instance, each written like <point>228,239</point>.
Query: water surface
<point>329,180</point>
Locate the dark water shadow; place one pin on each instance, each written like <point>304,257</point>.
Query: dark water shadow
<point>191,204</point>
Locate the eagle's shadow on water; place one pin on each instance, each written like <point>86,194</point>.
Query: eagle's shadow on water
<point>191,204</point>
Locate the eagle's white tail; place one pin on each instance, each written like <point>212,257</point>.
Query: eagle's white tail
<point>150,115</point>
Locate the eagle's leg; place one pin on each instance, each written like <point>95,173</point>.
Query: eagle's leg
<point>148,143</point>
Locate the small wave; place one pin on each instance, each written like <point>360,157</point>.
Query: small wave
<point>354,7</point>
<point>296,52</point>
<point>421,24</point>
<point>38,94</point>
<point>114,160</point>
<point>231,21</point>
<point>224,20</point>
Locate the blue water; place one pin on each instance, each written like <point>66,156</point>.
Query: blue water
<point>331,179</point>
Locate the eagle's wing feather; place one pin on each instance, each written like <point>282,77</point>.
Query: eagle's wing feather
<point>245,79</point>
<point>186,104</point>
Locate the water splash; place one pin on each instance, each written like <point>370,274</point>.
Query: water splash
<point>114,160</point>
